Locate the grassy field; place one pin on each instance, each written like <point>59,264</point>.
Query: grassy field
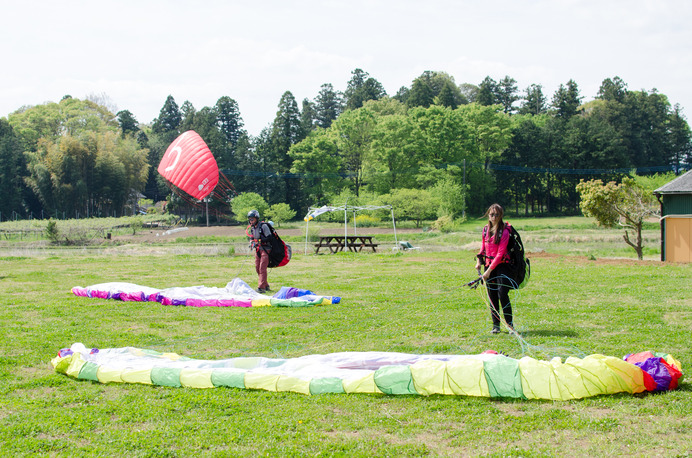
<point>411,302</point>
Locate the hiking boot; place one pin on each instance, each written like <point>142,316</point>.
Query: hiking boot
<point>496,330</point>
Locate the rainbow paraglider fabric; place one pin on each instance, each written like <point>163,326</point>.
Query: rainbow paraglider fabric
<point>488,374</point>
<point>237,293</point>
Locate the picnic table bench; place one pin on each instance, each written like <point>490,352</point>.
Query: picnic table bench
<point>337,243</point>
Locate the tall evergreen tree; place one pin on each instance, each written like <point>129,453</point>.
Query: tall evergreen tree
<point>534,102</point>
<point>528,149</point>
<point>436,88</point>
<point>361,88</point>
<point>128,123</point>
<point>680,139</point>
<point>308,118</point>
<point>286,131</point>
<point>613,90</point>
<point>402,94</point>
<point>261,170</point>
<point>169,118</point>
<point>171,122</point>
<point>229,120</point>
<point>328,105</point>
<point>448,96</point>
<point>647,130</point>
<point>421,94</point>
<point>487,92</point>
<point>206,124</point>
<point>507,94</point>
<point>187,114</point>
<point>566,100</point>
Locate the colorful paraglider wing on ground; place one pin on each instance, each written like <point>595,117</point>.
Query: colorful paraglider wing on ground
<point>236,293</point>
<point>488,374</point>
<point>189,165</point>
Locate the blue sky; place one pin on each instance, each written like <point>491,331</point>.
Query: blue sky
<point>135,53</point>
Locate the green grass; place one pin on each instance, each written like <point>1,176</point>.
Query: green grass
<point>410,302</point>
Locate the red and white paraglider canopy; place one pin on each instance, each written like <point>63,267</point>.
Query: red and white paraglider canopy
<point>189,165</point>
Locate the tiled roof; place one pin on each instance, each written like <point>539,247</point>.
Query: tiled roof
<point>682,185</point>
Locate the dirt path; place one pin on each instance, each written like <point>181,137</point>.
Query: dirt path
<point>163,235</point>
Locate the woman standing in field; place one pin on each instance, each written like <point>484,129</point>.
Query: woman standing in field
<point>497,275</point>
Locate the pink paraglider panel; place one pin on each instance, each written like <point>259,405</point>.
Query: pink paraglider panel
<point>189,164</point>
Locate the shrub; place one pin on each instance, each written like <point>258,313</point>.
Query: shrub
<point>313,234</point>
<point>280,213</point>
<point>135,224</point>
<point>367,221</point>
<point>246,201</point>
<point>444,224</point>
<point>52,232</point>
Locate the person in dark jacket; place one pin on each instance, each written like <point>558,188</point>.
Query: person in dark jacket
<point>260,239</point>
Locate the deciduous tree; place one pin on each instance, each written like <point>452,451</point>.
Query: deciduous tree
<point>12,171</point>
<point>280,213</point>
<point>353,132</point>
<point>412,204</point>
<point>246,201</point>
<point>317,160</point>
<point>626,204</point>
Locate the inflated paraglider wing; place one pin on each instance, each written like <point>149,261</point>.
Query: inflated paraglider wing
<point>189,164</point>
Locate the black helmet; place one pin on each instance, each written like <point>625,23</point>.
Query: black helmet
<point>253,214</point>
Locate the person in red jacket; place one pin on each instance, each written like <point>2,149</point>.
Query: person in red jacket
<point>493,256</point>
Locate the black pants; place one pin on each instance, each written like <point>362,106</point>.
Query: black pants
<point>499,285</point>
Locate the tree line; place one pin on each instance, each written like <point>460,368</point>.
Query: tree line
<point>448,148</point>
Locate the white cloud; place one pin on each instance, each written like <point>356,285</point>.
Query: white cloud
<point>140,52</point>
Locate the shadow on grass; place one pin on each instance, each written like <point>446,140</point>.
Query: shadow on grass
<point>684,386</point>
<point>548,333</point>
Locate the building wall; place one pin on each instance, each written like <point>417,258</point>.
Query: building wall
<point>677,204</point>
<point>677,230</point>
<point>678,239</point>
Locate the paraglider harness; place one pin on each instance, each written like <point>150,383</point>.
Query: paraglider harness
<point>279,253</point>
<point>519,264</point>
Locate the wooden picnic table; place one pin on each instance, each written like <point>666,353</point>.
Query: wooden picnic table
<point>337,243</point>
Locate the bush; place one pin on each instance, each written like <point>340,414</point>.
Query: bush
<point>135,224</point>
<point>246,201</point>
<point>280,213</point>
<point>367,221</point>
<point>52,232</point>
<point>313,234</point>
<point>444,224</point>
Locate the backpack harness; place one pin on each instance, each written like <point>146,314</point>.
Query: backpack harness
<point>519,264</point>
<point>279,253</point>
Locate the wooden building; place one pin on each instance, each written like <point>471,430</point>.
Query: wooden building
<point>676,219</point>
